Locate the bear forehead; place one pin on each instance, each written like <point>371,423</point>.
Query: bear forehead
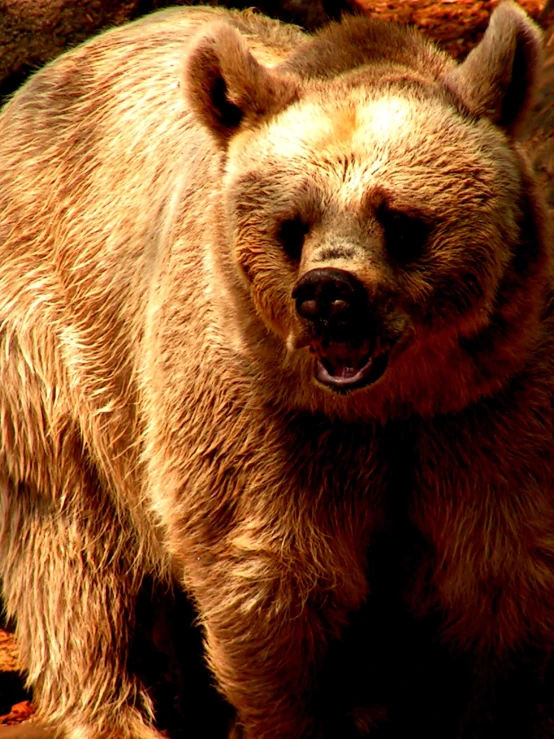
<point>378,137</point>
<point>373,126</point>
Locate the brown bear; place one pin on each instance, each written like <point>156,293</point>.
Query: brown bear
<point>275,326</point>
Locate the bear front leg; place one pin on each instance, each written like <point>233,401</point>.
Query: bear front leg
<point>70,576</point>
<point>267,636</point>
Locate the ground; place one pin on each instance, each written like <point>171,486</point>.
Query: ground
<point>14,704</point>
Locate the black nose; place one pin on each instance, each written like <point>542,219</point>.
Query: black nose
<point>334,300</point>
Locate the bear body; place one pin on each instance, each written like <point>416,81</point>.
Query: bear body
<point>275,326</point>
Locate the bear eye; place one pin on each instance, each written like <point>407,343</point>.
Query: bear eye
<point>291,234</point>
<point>405,234</point>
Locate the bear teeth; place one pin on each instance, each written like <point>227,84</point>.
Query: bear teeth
<point>344,366</point>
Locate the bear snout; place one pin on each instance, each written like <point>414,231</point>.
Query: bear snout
<point>334,301</point>
<point>346,335</point>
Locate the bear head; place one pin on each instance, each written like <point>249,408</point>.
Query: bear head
<point>382,218</point>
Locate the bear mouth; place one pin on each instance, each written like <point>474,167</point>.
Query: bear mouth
<point>345,366</point>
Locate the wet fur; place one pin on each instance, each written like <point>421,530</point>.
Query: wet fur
<point>158,415</point>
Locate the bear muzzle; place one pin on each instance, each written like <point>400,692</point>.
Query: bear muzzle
<point>342,327</point>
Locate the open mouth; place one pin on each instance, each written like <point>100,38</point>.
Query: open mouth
<point>345,366</point>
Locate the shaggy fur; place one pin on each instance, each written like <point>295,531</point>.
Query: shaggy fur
<point>164,190</point>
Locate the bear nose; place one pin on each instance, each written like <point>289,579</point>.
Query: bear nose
<point>333,300</point>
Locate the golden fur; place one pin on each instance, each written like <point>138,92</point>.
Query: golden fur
<point>163,191</point>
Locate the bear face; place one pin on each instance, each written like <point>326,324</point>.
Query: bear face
<point>426,228</point>
<point>377,218</point>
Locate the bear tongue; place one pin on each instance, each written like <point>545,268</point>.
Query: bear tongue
<point>341,359</point>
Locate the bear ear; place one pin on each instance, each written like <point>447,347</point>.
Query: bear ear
<point>227,88</point>
<point>498,78</point>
